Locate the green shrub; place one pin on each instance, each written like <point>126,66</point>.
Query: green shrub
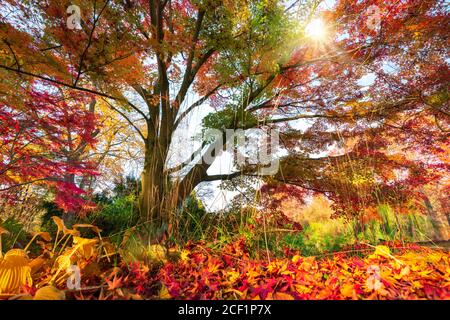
<point>116,217</point>
<point>412,227</point>
<point>322,236</point>
<point>319,237</point>
<point>16,237</point>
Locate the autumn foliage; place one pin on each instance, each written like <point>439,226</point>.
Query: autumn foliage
<point>99,110</point>
<point>38,137</point>
<point>411,273</point>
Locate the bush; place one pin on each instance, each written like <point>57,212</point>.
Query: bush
<point>317,238</point>
<point>16,237</point>
<point>323,236</point>
<point>411,227</point>
<point>194,223</point>
<point>116,217</point>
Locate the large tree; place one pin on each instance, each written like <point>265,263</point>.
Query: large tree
<point>251,60</point>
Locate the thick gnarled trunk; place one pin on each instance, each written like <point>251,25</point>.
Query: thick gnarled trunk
<point>161,196</point>
<point>153,183</point>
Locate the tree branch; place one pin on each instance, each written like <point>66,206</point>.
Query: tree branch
<point>83,55</point>
<point>127,119</point>
<point>228,176</point>
<point>196,104</point>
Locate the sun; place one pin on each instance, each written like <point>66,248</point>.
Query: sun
<point>316,30</point>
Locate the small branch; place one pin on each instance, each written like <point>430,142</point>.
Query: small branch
<point>196,104</point>
<point>101,94</point>
<point>83,55</point>
<point>127,119</point>
<point>224,176</point>
<point>14,55</point>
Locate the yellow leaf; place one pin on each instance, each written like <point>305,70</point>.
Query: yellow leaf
<point>85,246</point>
<point>417,285</point>
<point>164,293</point>
<point>44,235</point>
<point>72,232</point>
<point>282,296</point>
<point>287,273</point>
<point>184,255</point>
<point>212,268</point>
<point>85,225</point>
<point>6,296</point>
<point>296,258</point>
<point>62,262</point>
<point>425,273</point>
<point>15,271</point>
<point>302,289</point>
<point>36,264</point>
<point>404,272</point>
<point>434,257</point>
<point>381,251</point>
<point>22,297</point>
<point>251,275</point>
<point>347,290</point>
<point>307,263</point>
<point>157,253</point>
<point>59,223</point>
<point>49,293</point>
<point>62,228</point>
<point>233,276</point>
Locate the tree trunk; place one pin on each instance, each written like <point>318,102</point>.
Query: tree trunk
<point>153,188</point>
<point>161,197</point>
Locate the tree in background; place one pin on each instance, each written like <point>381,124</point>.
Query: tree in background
<point>42,134</point>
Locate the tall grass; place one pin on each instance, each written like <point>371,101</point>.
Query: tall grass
<point>332,235</point>
<point>411,227</point>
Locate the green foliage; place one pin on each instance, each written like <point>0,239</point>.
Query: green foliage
<point>229,117</point>
<point>51,209</point>
<point>192,220</point>
<point>194,223</point>
<point>320,233</point>
<point>317,238</point>
<point>410,227</point>
<point>326,236</point>
<point>269,22</point>
<point>16,237</point>
<point>116,217</point>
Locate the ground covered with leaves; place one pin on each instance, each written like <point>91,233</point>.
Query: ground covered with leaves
<point>412,273</point>
<point>199,271</point>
